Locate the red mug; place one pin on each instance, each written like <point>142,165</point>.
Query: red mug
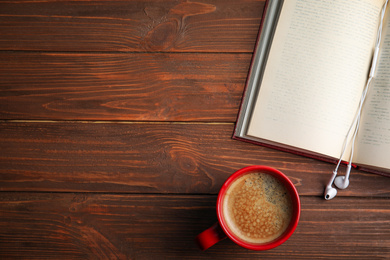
<point>221,230</point>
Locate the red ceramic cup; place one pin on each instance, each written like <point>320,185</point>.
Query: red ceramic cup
<point>220,230</point>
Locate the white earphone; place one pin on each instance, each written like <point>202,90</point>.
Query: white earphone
<point>342,182</point>
<point>330,192</point>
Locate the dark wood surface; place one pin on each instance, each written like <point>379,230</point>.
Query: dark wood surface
<point>116,120</point>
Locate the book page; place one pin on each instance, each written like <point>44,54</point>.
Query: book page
<point>373,140</point>
<point>316,71</point>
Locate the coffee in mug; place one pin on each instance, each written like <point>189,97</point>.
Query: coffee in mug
<point>257,208</point>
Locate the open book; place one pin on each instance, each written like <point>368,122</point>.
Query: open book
<point>309,70</point>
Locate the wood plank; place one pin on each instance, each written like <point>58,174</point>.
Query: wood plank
<point>130,26</point>
<point>149,158</point>
<point>141,86</point>
<point>93,226</point>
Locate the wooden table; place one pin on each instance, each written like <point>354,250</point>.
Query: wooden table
<point>115,136</point>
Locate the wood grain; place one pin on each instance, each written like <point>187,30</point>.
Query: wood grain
<point>149,158</point>
<point>138,86</point>
<point>92,226</point>
<point>116,120</point>
<point>130,26</point>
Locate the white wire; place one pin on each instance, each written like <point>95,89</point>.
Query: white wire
<point>356,121</point>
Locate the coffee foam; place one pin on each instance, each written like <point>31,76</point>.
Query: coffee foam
<point>257,208</point>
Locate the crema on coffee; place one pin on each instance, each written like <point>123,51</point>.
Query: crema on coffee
<point>257,208</point>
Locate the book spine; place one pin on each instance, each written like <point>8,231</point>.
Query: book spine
<point>266,5</point>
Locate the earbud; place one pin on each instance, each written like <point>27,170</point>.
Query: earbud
<point>330,192</point>
<point>342,182</point>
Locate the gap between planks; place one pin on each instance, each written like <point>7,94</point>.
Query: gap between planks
<point>117,122</point>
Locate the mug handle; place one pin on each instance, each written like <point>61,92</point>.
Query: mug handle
<point>210,236</point>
